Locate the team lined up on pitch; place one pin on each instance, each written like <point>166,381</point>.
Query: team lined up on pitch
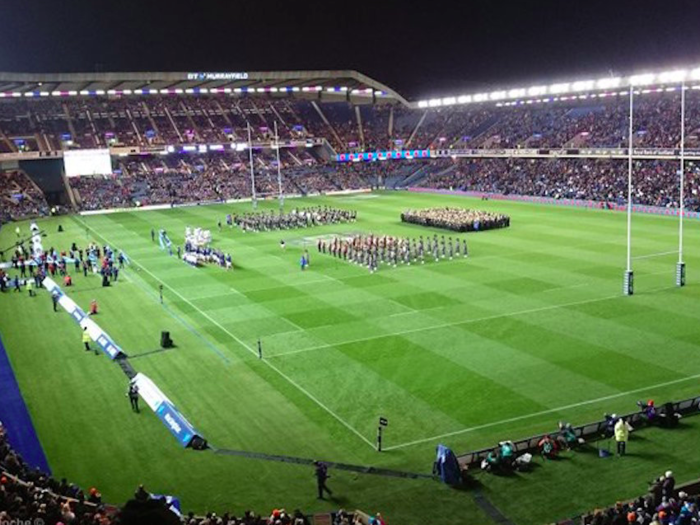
<point>296,218</point>
<point>370,250</point>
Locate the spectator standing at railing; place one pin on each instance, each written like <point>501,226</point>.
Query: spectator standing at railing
<point>668,486</point>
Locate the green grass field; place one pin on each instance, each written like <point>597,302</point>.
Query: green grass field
<point>530,329</point>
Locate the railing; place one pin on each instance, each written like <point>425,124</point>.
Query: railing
<point>593,430</point>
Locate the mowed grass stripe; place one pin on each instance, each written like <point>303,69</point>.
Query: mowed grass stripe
<point>267,363</point>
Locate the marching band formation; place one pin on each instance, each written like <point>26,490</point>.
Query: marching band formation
<point>456,219</point>
<point>297,218</point>
<point>371,250</point>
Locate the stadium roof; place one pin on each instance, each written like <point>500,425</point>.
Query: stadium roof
<point>327,85</point>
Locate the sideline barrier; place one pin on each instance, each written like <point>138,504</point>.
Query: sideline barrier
<point>98,335</point>
<point>637,208</point>
<point>157,401</point>
<point>593,430</point>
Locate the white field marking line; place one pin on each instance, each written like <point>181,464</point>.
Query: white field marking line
<point>211,296</point>
<point>255,353</point>
<point>545,412</point>
<point>412,312</point>
<point>447,325</point>
<point>655,255</point>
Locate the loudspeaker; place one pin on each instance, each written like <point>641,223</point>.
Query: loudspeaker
<point>165,341</point>
<point>199,443</point>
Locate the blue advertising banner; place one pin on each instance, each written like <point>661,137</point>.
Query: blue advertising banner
<point>176,423</point>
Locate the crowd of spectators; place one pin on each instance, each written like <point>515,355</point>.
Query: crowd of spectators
<point>80,122</point>
<point>655,182</point>
<point>179,179</point>
<point>662,505</point>
<point>88,122</point>
<point>28,495</point>
<point>20,197</point>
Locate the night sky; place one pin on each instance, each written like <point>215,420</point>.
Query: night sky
<point>421,49</point>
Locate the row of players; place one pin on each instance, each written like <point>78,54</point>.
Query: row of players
<point>370,250</point>
<point>297,218</point>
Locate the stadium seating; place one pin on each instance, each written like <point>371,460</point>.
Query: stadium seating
<point>656,181</point>
<point>87,122</point>
<point>46,124</point>
<point>20,197</point>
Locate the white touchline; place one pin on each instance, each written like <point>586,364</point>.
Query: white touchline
<point>545,412</point>
<point>447,325</point>
<point>254,352</point>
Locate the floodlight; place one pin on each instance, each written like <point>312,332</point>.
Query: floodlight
<point>464,99</point>
<point>642,80</point>
<point>668,77</point>
<point>422,103</point>
<point>434,102</point>
<point>449,101</point>
<point>516,93</point>
<point>582,85</point>
<point>497,95</point>
<point>608,83</point>
<point>481,97</point>
<point>536,91</point>
<point>557,89</point>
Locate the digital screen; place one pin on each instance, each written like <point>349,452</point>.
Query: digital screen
<point>87,162</point>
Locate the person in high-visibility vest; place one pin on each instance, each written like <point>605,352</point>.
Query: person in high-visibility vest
<point>86,339</point>
<point>622,435</point>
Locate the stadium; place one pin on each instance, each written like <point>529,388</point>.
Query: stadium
<point>302,297</point>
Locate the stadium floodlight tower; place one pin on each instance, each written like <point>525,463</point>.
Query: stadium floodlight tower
<point>628,282</point>
<point>680,266</point>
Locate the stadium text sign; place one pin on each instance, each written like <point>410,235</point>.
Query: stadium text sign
<point>217,76</point>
